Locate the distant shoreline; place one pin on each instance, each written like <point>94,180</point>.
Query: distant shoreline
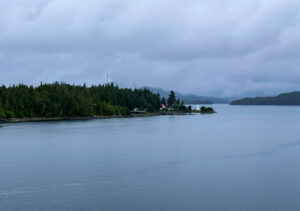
<point>285,99</point>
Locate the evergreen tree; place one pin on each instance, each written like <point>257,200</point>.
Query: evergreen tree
<point>150,108</point>
<point>65,100</point>
<point>171,99</point>
<point>2,113</point>
<point>163,101</point>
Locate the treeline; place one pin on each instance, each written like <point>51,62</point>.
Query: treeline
<point>65,100</point>
<point>174,104</point>
<point>292,98</point>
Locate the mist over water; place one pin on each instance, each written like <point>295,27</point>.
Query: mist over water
<point>242,158</point>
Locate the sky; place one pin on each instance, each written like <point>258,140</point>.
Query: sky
<point>222,48</point>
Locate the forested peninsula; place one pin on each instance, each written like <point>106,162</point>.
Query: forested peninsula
<point>58,101</point>
<point>292,98</point>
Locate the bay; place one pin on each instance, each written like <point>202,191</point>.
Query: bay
<point>241,158</point>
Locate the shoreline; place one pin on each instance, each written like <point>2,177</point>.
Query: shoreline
<point>133,115</point>
<point>53,119</point>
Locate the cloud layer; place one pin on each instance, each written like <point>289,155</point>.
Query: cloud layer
<point>208,47</point>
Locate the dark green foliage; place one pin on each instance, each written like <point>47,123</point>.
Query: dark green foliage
<point>182,107</point>
<point>2,114</point>
<point>163,101</point>
<point>171,99</point>
<point>175,104</point>
<point>65,100</point>
<point>292,98</point>
<point>150,108</point>
<point>204,109</point>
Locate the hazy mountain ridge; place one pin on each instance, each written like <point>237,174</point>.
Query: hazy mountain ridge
<point>291,98</point>
<point>190,98</point>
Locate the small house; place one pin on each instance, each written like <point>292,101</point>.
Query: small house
<point>163,107</point>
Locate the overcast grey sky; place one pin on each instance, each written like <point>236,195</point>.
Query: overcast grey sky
<point>207,47</point>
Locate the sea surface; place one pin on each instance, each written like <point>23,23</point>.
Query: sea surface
<point>242,158</point>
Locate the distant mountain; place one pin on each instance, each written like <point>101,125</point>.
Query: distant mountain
<point>292,98</point>
<point>190,98</point>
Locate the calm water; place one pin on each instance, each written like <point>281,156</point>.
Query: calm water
<point>242,158</point>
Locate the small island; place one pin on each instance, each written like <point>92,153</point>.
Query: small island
<point>207,110</point>
<point>62,101</point>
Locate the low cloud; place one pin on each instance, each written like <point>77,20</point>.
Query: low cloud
<point>208,47</point>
